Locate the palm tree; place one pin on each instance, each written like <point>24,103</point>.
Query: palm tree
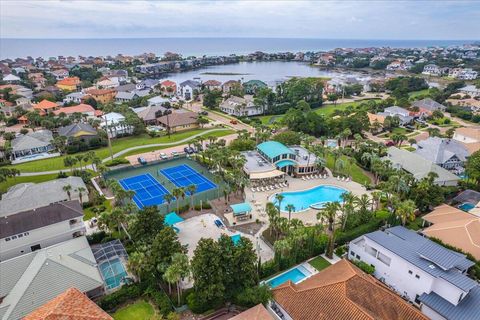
<point>348,199</point>
<point>290,207</point>
<point>279,197</point>
<point>330,212</point>
<point>177,271</point>
<point>67,189</point>
<point>191,189</point>
<point>177,193</point>
<point>168,197</point>
<point>406,211</point>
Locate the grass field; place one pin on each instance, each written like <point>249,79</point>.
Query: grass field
<point>35,179</point>
<point>353,170</point>
<point>415,94</point>
<point>319,263</point>
<point>117,146</point>
<point>140,310</point>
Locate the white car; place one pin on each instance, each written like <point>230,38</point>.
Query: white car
<point>163,156</point>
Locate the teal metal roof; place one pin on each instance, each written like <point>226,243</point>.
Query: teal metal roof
<point>236,238</point>
<point>172,218</point>
<point>274,148</point>
<point>284,163</point>
<point>241,208</point>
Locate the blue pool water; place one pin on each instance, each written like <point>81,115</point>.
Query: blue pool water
<point>295,275</point>
<point>302,200</point>
<point>466,206</point>
<point>113,272</point>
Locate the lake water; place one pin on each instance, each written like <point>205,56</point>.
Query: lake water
<point>271,72</point>
<point>13,48</point>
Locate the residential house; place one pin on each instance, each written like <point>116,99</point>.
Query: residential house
<point>421,271</point>
<point>32,143</point>
<point>46,106</point>
<point>102,96</point>
<point>84,109</point>
<point>259,312</point>
<point>454,227</point>
<point>157,101</point>
<point>114,124</point>
<point>467,74</point>
<point>212,85</point>
<point>229,85</point>
<point>29,196</point>
<point>402,114</point>
<point>38,79</point>
<point>187,89</point>
<point>240,107</point>
<point>60,74</point>
<point>340,292</point>
<point>122,97</point>
<point>22,101</point>
<point>168,88</point>
<point>81,131</point>
<point>24,92</point>
<point>471,90</point>
<point>106,83</point>
<point>31,230</point>
<point>431,70</point>
<point>147,84</point>
<point>469,136</point>
<point>446,153</point>
<point>252,86</point>
<point>179,121</point>
<point>427,106</point>
<point>11,78</point>
<point>150,114</point>
<point>69,83</point>
<point>33,279</point>
<point>419,167</point>
<point>75,97</point>
<point>72,304</point>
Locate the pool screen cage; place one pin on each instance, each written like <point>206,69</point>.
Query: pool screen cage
<point>108,256</point>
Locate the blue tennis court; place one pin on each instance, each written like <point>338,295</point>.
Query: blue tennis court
<point>148,191</point>
<point>183,176</point>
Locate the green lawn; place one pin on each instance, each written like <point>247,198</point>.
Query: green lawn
<point>328,109</point>
<point>35,179</point>
<point>415,94</point>
<point>140,310</point>
<point>352,170</point>
<point>319,263</point>
<point>117,145</point>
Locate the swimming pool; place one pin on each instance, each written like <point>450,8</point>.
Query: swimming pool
<point>466,206</point>
<point>302,200</point>
<point>113,272</point>
<point>295,275</point>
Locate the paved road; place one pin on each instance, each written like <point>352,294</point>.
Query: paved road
<point>118,154</point>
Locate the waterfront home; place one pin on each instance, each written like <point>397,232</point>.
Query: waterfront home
<point>471,90</point>
<point>212,85</point>
<point>114,124</point>
<point>179,121</point>
<point>32,143</point>
<point>31,280</point>
<point>81,131</point>
<point>227,86</point>
<point>84,109</point>
<point>46,106</point>
<point>421,271</point>
<point>427,106</point>
<point>186,90</point>
<point>469,136</point>
<point>168,88</point>
<point>29,196</point>
<point>446,153</point>
<point>432,70</point>
<point>340,292</point>
<point>102,95</point>
<point>31,230</point>
<point>454,227</point>
<point>68,84</point>
<point>252,86</point>
<point>71,304</point>
<point>240,107</point>
<point>419,167</point>
<point>147,84</point>
<point>150,114</point>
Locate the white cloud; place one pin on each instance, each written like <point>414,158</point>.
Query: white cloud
<point>313,19</point>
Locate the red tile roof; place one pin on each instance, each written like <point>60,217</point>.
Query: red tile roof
<point>70,305</point>
<point>255,313</point>
<point>45,105</point>
<point>343,292</point>
<point>69,81</point>
<point>78,108</point>
<point>168,83</point>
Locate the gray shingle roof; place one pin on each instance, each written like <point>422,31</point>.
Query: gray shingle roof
<point>412,247</point>
<point>31,280</point>
<point>191,83</point>
<point>32,140</point>
<point>471,196</point>
<point>429,104</point>
<point>40,217</point>
<point>440,150</point>
<point>74,128</point>
<point>467,309</point>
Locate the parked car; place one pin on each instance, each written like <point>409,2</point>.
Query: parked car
<point>203,113</point>
<point>175,154</point>
<point>233,121</point>
<point>163,156</point>
<point>188,150</point>
<point>390,144</point>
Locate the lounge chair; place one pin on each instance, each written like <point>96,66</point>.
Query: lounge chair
<point>303,178</point>
<point>348,179</point>
<point>253,189</point>
<point>338,178</point>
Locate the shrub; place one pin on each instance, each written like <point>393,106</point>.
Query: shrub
<point>346,236</point>
<point>96,237</point>
<point>268,269</point>
<point>114,300</point>
<point>252,296</point>
<point>116,162</point>
<point>205,205</point>
<point>367,268</point>
<point>160,300</point>
<point>196,304</point>
<point>340,251</point>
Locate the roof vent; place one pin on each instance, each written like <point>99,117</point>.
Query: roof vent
<point>431,266</point>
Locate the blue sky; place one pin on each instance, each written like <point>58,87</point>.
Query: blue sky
<point>297,19</point>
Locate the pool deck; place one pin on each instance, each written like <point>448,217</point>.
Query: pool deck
<point>309,216</point>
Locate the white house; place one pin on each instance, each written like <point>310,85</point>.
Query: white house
<point>157,101</point>
<point>31,230</point>
<point>11,78</point>
<point>240,106</point>
<point>75,97</point>
<point>468,74</point>
<point>187,88</point>
<point>114,124</point>
<point>471,90</point>
<point>420,270</point>
<point>431,70</point>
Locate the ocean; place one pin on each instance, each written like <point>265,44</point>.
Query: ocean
<point>14,48</point>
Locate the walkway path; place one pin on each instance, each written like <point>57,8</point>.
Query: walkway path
<point>118,154</point>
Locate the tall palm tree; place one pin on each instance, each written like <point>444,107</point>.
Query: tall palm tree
<point>348,199</point>
<point>168,197</point>
<point>80,191</point>
<point>406,211</point>
<point>177,193</point>
<point>67,189</point>
<point>279,198</point>
<point>191,189</point>
<point>330,212</point>
<point>290,207</point>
